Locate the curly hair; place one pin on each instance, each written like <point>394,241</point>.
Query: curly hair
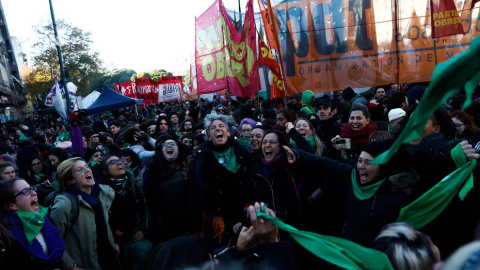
<point>226,119</point>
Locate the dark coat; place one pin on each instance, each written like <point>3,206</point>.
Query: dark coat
<point>224,193</point>
<point>280,190</point>
<point>365,218</point>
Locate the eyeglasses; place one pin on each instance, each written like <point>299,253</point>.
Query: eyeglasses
<point>36,164</point>
<point>246,130</point>
<point>116,161</point>
<point>25,191</point>
<point>165,144</point>
<point>98,155</point>
<point>220,110</point>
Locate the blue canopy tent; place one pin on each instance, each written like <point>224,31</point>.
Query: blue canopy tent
<point>110,100</point>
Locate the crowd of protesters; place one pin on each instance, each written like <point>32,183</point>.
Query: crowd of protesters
<point>179,185</point>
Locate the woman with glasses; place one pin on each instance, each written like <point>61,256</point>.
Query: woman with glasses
<point>246,127</point>
<point>465,127</point>
<point>27,238</point>
<point>168,191</point>
<point>89,240</point>
<point>128,213</point>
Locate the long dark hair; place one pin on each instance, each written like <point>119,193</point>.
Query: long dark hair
<point>6,197</point>
<point>161,170</point>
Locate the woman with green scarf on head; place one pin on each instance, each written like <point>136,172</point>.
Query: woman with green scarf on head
<point>27,238</point>
<point>373,193</point>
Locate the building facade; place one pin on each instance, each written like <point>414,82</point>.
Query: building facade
<point>12,93</point>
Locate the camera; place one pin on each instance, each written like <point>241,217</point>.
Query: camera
<point>344,143</point>
<point>102,136</point>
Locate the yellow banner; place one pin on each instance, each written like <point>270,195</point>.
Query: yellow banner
<point>329,45</point>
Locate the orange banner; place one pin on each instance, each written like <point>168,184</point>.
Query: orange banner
<point>329,45</point>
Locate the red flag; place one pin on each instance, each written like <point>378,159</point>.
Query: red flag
<point>266,58</point>
<point>445,19</point>
<point>265,11</point>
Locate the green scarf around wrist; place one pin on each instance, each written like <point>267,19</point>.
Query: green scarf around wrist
<point>32,222</point>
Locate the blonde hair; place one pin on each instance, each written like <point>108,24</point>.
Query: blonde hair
<point>318,142</point>
<point>65,172</point>
<point>407,248</point>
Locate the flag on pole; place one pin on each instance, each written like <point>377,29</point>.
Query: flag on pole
<point>445,19</point>
<point>266,58</point>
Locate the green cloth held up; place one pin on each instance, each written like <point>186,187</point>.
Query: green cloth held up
<point>338,251</point>
<point>364,192</point>
<point>433,202</point>
<point>228,160</point>
<point>310,140</point>
<point>32,222</point>
<point>461,71</point>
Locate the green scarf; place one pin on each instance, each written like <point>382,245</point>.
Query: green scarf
<point>433,202</point>
<point>462,71</point>
<point>32,222</point>
<point>310,140</point>
<point>228,160</point>
<point>244,141</point>
<point>364,192</point>
<point>340,252</point>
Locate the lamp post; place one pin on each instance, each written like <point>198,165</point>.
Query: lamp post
<point>60,60</point>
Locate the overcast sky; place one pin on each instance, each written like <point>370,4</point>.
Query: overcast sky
<point>141,35</point>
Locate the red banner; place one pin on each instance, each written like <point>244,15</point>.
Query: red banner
<point>224,58</point>
<point>146,89</point>
<point>445,19</point>
<point>127,89</point>
<point>169,88</point>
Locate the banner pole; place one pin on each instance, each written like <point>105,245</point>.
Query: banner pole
<point>435,50</point>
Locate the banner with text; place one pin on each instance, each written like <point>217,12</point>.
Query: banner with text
<point>169,88</point>
<point>329,45</point>
<point>224,58</point>
<point>127,89</point>
<point>145,87</point>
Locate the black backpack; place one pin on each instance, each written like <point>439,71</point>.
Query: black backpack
<point>50,201</point>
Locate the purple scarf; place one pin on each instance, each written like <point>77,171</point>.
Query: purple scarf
<point>77,141</point>
<point>51,234</point>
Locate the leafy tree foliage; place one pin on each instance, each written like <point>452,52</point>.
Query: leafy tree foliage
<point>82,62</point>
<point>111,78</point>
<point>154,74</point>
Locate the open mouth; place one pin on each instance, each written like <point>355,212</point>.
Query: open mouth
<point>363,177</point>
<point>303,133</point>
<point>34,203</point>
<point>219,135</point>
<point>169,151</point>
<point>268,153</point>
